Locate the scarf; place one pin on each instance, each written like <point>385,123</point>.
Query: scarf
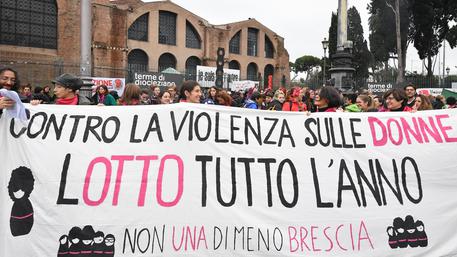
<point>68,101</point>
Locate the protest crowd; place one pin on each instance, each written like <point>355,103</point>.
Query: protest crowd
<point>295,99</point>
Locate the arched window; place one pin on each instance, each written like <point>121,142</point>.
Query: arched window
<point>234,65</point>
<point>191,67</point>
<point>269,48</point>
<point>269,70</point>
<point>167,28</point>
<point>28,23</point>
<point>234,45</point>
<point>139,28</point>
<point>167,60</point>
<point>192,38</point>
<point>252,41</point>
<point>252,72</point>
<point>137,61</point>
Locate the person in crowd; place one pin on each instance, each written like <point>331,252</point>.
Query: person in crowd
<point>38,94</point>
<point>9,80</point>
<point>26,93</point>
<point>165,97</point>
<point>255,101</point>
<point>238,99</point>
<point>172,90</point>
<point>365,103</point>
<point>211,99</point>
<point>268,98</point>
<point>223,98</point>
<point>145,100</point>
<point>377,102</point>
<point>277,102</point>
<point>155,92</point>
<point>115,95</point>
<point>294,102</point>
<point>103,97</point>
<point>438,104</point>
<point>450,103</point>
<point>47,93</point>
<point>410,91</point>
<point>66,87</point>
<point>422,103</point>
<point>190,92</point>
<point>350,103</point>
<point>309,100</point>
<point>328,99</point>
<point>131,95</point>
<point>396,101</point>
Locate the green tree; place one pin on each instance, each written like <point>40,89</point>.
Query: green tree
<point>333,35</point>
<point>361,54</point>
<point>431,21</point>
<point>306,63</point>
<point>382,25</point>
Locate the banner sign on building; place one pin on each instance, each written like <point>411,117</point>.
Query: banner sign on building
<point>113,84</point>
<point>206,76</point>
<point>243,85</point>
<point>147,79</point>
<point>200,180</point>
<point>379,88</point>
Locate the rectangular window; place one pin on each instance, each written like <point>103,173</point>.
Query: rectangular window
<point>167,28</point>
<point>252,41</point>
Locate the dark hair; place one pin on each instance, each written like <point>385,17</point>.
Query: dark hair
<point>104,87</point>
<point>352,97</point>
<point>410,85</point>
<point>21,179</point>
<point>188,86</point>
<point>269,94</point>
<point>162,93</point>
<point>75,232</point>
<point>114,94</point>
<point>37,90</point>
<point>256,95</point>
<point>398,94</point>
<point>17,82</point>
<point>145,92</point>
<point>451,100</point>
<point>332,96</point>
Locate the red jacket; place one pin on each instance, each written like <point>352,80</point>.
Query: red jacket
<point>294,106</point>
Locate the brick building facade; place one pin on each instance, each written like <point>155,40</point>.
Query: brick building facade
<point>130,35</point>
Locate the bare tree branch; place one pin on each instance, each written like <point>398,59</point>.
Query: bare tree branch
<point>391,7</point>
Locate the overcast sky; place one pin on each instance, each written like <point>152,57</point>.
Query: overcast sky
<point>302,23</point>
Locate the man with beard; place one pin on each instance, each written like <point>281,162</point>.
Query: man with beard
<point>9,81</point>
<point>410,91</point>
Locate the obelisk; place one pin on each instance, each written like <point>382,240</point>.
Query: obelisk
<point>342,24</point>
<point>342,70</point>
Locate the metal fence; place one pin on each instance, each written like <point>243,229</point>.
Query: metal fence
<point>417,80</point>
<point>40,73</point>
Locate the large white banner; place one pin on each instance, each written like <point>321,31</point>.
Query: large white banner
<point>206,76</point>
<point>199,180</point>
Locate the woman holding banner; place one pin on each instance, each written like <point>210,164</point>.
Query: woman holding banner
<point>396,101</point>
<point>131,95</point>
<point>328,100</point>
<point>190,92</point>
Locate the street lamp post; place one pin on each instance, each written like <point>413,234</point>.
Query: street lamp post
<point>325,46</point>
<point>448,70</point>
